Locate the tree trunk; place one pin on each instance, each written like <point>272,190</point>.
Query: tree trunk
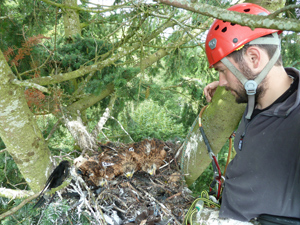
<point>20,133</point>
<point>219,120</point>
<point>71,20</point>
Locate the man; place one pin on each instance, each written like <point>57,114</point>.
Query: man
<point>264,177</point>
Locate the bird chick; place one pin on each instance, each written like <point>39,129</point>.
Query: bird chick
<point>151,165</point>
<point>129,166</point>
<point>92,172</point>
<point>155,155</point>
<point>79,161</point>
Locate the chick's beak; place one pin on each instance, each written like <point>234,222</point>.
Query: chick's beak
<point>151,171</point>
<point>129,174</point>
<point>103,182</point>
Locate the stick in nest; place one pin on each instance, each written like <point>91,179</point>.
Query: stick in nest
<point>164,208</point>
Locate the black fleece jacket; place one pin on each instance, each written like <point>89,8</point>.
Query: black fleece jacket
<point>264,176</point>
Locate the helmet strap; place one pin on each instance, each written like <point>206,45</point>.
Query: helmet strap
<point>251,85</point>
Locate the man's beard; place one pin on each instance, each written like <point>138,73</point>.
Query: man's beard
<point>240,93</point>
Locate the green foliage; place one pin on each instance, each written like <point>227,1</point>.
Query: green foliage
<point>61,141</point>
<point>24,17</point>
<point>294,13</point>
<point>161,102</point>
<point>10,175</point>
<point>150,120</point>
<point>59,212</point>
<point>147,120</point>
<point>291,50</point>
<point>81,52</point>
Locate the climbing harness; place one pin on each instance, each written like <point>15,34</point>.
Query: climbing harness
<point>211,198</point>
<point>218,178</point>
<point>229,152</point>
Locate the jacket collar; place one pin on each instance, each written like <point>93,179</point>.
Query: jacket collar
<point>285,108</point>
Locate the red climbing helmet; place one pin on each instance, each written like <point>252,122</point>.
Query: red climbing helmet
<point>225,37</point>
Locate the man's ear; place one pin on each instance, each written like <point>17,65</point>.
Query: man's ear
<point>253,57</point>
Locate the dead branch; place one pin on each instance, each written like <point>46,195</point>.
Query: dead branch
<point>122,128</point>
<point>79,132</point>
<point>14,194</point>
<point>98,128</point>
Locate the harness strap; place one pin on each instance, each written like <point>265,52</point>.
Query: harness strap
<point>251,85</point>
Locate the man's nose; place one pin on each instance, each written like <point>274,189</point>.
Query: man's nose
<point>222,80</point>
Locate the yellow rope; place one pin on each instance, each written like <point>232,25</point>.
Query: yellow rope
<point>192,210</point>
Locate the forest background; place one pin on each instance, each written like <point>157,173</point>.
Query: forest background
<point>138,65</point>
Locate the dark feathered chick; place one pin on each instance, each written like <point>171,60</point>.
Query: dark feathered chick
<point>128,165</point>
<point>56,178</point>
<point>137,152</point>
<point>155,154</point>
<point>92,172</point>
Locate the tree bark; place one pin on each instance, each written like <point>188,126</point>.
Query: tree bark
<point>219,120</point>
<point>250,20</point>
<point>20,132</point>
<point>71,19</point>
<point>272,6</point>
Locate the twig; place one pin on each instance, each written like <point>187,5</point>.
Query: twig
<point>178,151</point>
<point>4,17</point>
<point>122,128</point>
<point>166,164</point>
<point>177,194</point>
<point>135,191</point>
<point>98,128</point>
<point>162,185</point>
<point>164,208</point>
<point>37,68</point>
<point>15,209</point>
<point>120,200</point>
<point>29,84</point>
<point>53,129</point>
<point>84,201</point>
<point>284,9</point>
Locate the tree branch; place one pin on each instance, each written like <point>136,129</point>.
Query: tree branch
<point>100,65</point>
<point>14,194</point>
<point>284,9</point>
<point>29,84</point>
<point>90,100</point>
<point>15,209</point>
<point>105,116</point>
<point>250,20</point>
<point>78,8</point>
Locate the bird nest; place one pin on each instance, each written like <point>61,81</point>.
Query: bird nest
<point>138,183</point>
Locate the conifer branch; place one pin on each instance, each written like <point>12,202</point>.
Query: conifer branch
<point>284,9</point>
<point>29,84</point>
<point>250,20</point>
<point>78,8</point>
<point>18,207</point>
